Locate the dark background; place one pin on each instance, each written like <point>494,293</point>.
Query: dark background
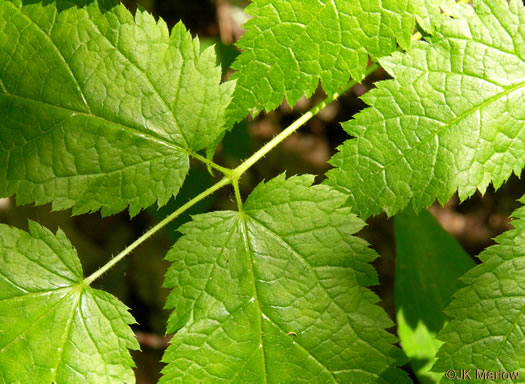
<point>137,280</point>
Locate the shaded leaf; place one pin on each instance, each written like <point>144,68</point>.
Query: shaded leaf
<point>429,262</point>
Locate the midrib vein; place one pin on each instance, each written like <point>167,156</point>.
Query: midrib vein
<point>248,248</point>
<point>444,126</point>
<point>183,148</point>
<point>46,312</point>
<point>151,136</point>
<point>59,52</point>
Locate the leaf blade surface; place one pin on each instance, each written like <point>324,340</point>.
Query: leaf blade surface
<point>101,108</point>
<point>276,294</point>
<point>451,120</point>
<point>291,46</point>
<point>487,316</point>
<point>52,327</point>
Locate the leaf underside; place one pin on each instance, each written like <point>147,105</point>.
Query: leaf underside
<point>276,294</point>
<point>452,119</point>
<point>53,329</point>
<point>291,45</point>
<point>488,316</point>
<point>101,109</point>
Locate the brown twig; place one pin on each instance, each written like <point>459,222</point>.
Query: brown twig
<point>225,21</point>
<point>152,341</point>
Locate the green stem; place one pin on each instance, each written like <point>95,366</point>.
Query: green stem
<point>237,172</point>
<point>225,171</point>
<point>225,181</point>
<point>238,197</point>
<point>232,176</point>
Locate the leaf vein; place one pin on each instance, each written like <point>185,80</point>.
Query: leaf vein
<point>149,135</point>
<point>67,334</point>
<point>314,272</point>
<point>93,341</point>
<point>44,315</point>
<point>61,55</point>
<point>150,82</point>
<point>470,111</point>
<point>249,251</point>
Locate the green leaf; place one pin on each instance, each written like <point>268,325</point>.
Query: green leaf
<point>428,12</point>
<point>53,328</point>
<point>488,316</point>
<point>291,45</point>
<point>452,119</point>
<point>429,262</point>
<point>275,294</point>
<point>100,110</point>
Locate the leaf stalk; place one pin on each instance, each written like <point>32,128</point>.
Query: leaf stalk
<point>225,181</point>
<point>225,171</point>
<point>237,172</point>
<point>232,176</point>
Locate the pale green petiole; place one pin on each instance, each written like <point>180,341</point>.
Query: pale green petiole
<point>232,176</point>
<point>225,181</point>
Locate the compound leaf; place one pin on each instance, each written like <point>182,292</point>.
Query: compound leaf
<point>488,315</point>
<point>275,294</point>
<point>452,119</point>
<point>100,110</point>
<point>53,328</point>
<point>291,45</point>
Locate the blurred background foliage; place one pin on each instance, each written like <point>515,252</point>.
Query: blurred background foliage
<point>137,281</point>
